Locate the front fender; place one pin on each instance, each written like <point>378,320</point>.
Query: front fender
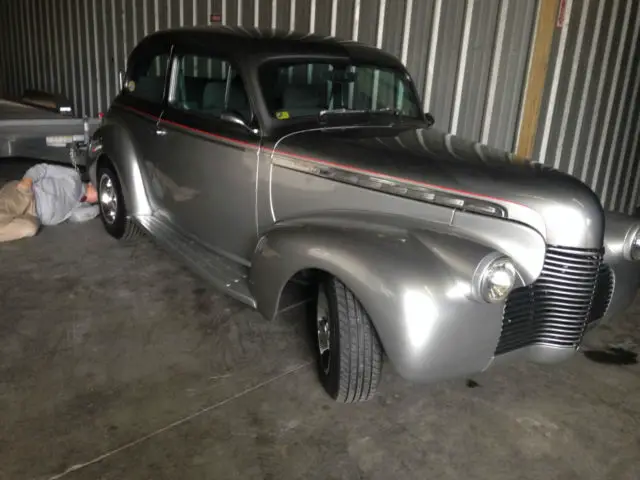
<point>415,286</point>
<point>113,141</point>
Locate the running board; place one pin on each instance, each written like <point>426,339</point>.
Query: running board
<point>222,273</point>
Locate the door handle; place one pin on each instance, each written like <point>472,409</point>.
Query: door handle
<point>161,131</point>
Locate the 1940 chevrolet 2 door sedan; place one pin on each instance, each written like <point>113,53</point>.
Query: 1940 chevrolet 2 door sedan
<point>259,157</point>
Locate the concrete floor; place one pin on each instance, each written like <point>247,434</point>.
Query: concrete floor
<point>116,363</point>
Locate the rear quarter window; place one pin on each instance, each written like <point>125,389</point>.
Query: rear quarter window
<point>146,80</point>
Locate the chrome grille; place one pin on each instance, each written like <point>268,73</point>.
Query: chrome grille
<point>604,292</point>
<point>555,309</point>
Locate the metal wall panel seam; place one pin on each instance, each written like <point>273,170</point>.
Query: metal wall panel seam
<point>23,45</point>
<point>334,17</point>
<point>462,66</point>
<point>37,44</point>
<point>105,37</point>
<point>621,107</point>
<point>5,46</point>
<point>135,39</point>
<point>181,3</point>
<point>433,49</point>
<point>608,111</point>
<point>96,52</point>
<point>29,45</point>
<point>21,49</point>
<point>635,200</point>
<point>585,90</point>
<point>625,143</point>
<point>42,47</point>
<point>65,66</point>
<point>495,72</point>
<point>4,50</point>
<point>17,49</point>
<point>169,13</point>
<point>557,68</point>
<point>224,12</point>
<point>13,50</point>
<point>145,17</point>
<point>194,19</point>
<point>56,48</point>
<point>355,30</point>
<point>81,58</point>
<point>527,75</point>
<point>239,18</point>
<point>600,93</point>
<point>566,110</point>
<point>11,64</point>
<point>72,63</point>
<point>51,76</point>
<point>90,70</point>
<point>125,45</point>
<point>406,31</point>
<point>312,17</point>
<point>33,60</point>
<point>256,13</point>
<point>11,69</point>
<point>156,13</point>
<point>114,32</point>
<point>274,11</point>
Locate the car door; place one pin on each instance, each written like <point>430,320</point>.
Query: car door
<point>206,166</point>
<point>142,99</point>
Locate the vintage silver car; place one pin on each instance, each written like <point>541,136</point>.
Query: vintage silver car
<point>261,158</point>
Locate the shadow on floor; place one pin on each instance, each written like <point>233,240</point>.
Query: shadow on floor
<point>612,356</point>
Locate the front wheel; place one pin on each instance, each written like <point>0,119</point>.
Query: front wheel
<point>348,350</point>
<point>112,208</point>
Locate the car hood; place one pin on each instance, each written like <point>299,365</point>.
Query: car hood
<point>563,209</point>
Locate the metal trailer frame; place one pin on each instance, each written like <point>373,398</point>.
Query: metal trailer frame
<point>43,133</point>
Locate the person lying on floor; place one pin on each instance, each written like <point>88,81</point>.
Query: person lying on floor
<point>46,195</point>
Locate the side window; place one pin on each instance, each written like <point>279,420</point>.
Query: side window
<point>209,86</point>
<point>148,76</point>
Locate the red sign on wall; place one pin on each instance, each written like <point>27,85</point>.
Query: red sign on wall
<point>562,13</point>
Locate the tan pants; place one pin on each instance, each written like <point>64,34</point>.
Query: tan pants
<point>17,213</point>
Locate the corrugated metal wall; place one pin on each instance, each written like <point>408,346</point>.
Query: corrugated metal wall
<point>468,57</point>
<point>590,123</point>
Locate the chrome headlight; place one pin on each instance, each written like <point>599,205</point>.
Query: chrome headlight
<point>634,250</point>
<point>494,279</point>
<point>631,248</point>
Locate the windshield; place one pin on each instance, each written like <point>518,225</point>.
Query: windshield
<point>305,89</point>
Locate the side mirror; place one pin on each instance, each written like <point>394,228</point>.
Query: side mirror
<point>429,119</point>
<point>121,78</point>
<point>236,119</point>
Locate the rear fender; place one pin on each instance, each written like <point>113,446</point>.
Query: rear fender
<point>415,286</point>
<point>111,141</point>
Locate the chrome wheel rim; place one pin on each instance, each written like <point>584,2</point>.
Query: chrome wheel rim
<point>323,328</point>
<point>108,199</point>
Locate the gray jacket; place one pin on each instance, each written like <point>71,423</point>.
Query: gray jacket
<point>58,192</point>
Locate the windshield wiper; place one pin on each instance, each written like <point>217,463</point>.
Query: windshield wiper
<point>368,112</point>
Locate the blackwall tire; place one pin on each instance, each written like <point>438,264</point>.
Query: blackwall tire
<point>113,211</point>
<point>350,371</point>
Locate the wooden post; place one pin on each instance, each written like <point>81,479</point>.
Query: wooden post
<point>543,38</point>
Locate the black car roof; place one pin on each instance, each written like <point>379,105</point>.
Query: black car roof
<point>261,43</point>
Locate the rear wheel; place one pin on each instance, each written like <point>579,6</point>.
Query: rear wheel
<point>113,211</point>
<point>349,354</point>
